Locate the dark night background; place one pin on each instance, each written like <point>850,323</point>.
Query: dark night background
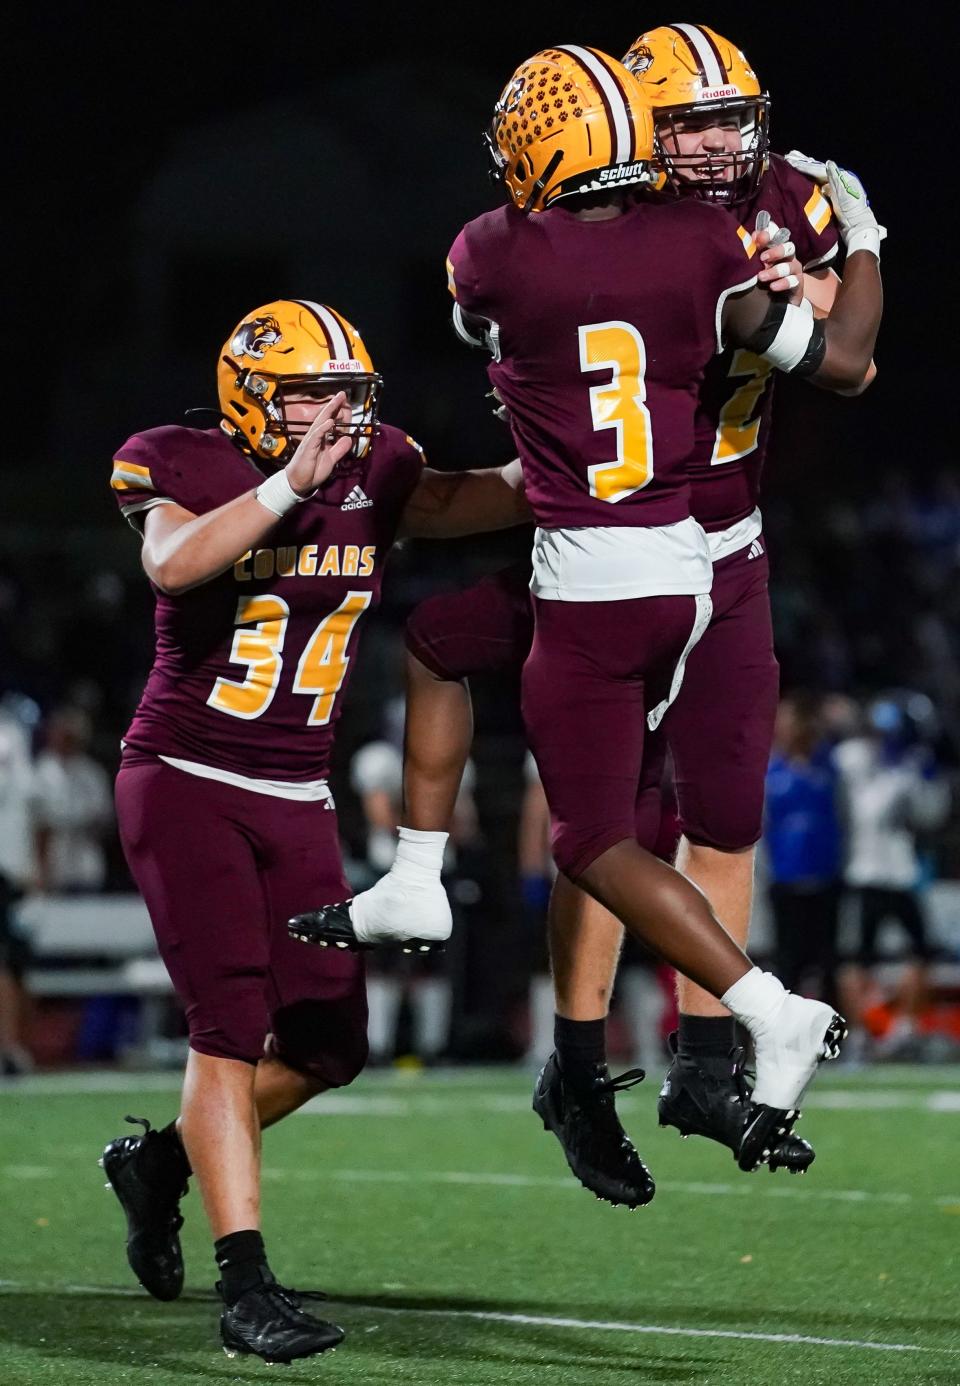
<point>173,167</point>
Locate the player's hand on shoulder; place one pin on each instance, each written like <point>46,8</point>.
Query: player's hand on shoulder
<point>848,197</point>
<point>321,448</point>
<point>782,272</point>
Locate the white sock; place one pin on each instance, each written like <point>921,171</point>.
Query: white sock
<point>755,999</point>
<point>409,901</point>
<point>419,858</point>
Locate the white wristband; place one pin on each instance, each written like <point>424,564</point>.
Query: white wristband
<point>278,495</point>
<point>865,238</point>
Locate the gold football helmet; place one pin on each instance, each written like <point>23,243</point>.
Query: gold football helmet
<point>286,345</point>
<point>688,71</point>
<point>569,121</point>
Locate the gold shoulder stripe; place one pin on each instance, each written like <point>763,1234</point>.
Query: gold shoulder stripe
<point>749,244</point>
<point>818,211</point>
<point>128,476</point>
<point>451,281</point>
<point>417,448</point>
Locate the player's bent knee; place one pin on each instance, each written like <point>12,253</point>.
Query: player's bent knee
<point>242,1049</point>
<point>576,850</point>
<point>731,837</point>
<point>426,632</point>
<point>326,1041</point>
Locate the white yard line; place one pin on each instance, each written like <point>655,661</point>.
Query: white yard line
<point>884,1088</point>
<point>787,1187</point>
<point>744,1188</point>
<point>430,1104</point>
<point>660,1330</point>
<point>544,1321</point>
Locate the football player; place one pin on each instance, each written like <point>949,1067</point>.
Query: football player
<point>526,112</point>
<point>264,539</point>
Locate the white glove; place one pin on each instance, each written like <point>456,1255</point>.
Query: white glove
<point>848,197</point>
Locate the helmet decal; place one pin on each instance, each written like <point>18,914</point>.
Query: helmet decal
<point>255,338</point>
<point>638,59</point>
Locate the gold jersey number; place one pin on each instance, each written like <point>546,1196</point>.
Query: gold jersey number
<point>619,347</point>
<point>739,424</point>
<point>259,644</point>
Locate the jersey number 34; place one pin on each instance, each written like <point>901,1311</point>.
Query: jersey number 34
<point>320,671</point>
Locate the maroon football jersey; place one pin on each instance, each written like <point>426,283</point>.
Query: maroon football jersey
<point>251,667</point>
<point>600,333</point>
<point>733,421</point>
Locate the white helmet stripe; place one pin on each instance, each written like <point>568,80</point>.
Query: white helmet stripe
<point>338,338</point>
<point>619,111</point>
<point>704,49</point>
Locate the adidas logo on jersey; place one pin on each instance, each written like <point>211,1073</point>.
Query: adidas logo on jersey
<point>357,500</point>
<point>756,550</point>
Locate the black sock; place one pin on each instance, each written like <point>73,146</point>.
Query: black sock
<point>173,1149</point>
<point>581,1045</point>
<point>706,1034</point>
<point>242,1261</point>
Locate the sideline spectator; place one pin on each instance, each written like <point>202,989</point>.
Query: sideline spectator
<point>73,814</point>
<point>16,873</point>
<point>73,808</point>
<point>802,835</point>
<point>891,790</point>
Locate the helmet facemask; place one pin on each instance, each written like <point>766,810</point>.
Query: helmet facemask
<point>728,178</point>
<point>265,394</point>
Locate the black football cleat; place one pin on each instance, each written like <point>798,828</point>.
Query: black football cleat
<point>149,1184</point>
<point>331,927</point>
<point>708,1095</point>
<point>269,1321</point>
<point>585,1122</point>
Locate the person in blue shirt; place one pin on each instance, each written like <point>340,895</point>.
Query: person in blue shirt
<point>804,846</point>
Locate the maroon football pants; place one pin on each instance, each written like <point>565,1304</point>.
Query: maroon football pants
<point>594,672</point>
<point>221,870</point>
<point>721,726</point>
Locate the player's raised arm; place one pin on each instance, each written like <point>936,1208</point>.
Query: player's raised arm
<point>448,505</point>
<point>182,550</point>
<point>834,352</point>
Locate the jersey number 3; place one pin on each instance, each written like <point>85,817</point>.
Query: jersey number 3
<point>320,672</point>
<point>618,347</point>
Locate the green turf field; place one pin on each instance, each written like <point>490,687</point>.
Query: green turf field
<point>457,1248</point>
